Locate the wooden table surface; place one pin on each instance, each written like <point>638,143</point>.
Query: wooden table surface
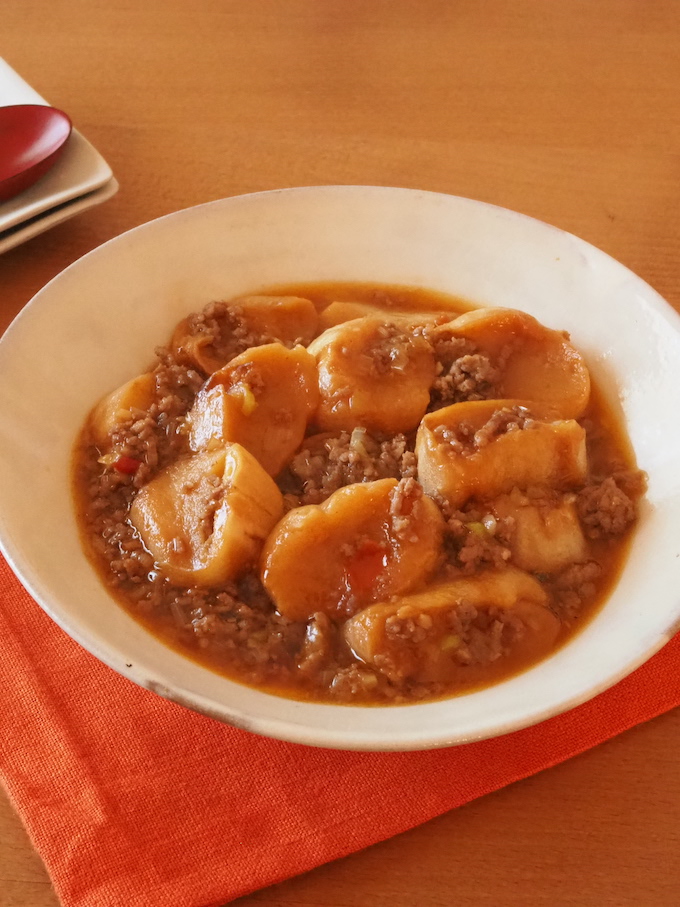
<point>566,111</point>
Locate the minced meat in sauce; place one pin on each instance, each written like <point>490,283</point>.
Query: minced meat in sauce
<point>235,626</point>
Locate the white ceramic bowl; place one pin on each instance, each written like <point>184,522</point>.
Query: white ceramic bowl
<point>96,324</point>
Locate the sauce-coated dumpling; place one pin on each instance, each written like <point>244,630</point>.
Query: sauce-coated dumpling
<point>486,448</point>
<point>209,340</point>
<point>534,362</point>
<point>372,374</point>
<point>263,400</point>
<point>204,518</point>
<point>429,636</point>
<point>367,541</point>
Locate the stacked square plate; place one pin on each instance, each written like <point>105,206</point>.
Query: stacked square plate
<point>79,179</point>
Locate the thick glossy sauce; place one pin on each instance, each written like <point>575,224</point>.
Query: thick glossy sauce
<point>608,451</point>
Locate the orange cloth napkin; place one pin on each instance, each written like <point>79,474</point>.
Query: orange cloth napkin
<point>132,800</point>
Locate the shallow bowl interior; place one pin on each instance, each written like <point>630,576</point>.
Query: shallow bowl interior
<point>97,323</point>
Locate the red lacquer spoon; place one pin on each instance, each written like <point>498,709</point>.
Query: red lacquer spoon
<point>32,137</point>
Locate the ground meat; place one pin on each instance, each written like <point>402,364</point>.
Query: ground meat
<point>447,348</point>
<point>463,373</point>
<point>476,539</point>
<point>130,561</point>
<point>474,637</point>
<point>391,349</point>
<point>503,421</point>
<point>469,377</point>
<point>480,551</point>
<point>357,682</point>
<point>605,509</point>
<point>237,621</point>
<point>459,440</point>
<point>404,502</point>
<point>223,332</point>
<point>485,638</point>
<point>155,437</point>
<point>465,441</point>
<point>174,382</point>
<point>109,495</point>
<point>326,463</point>
<point>570,589</point>
<point>414,628</point>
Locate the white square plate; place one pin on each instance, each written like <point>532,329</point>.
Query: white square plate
<point>79,179</point>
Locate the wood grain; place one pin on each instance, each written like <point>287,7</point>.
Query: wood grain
<point>569,112</point>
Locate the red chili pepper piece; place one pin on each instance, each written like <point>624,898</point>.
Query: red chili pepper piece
<point>128,465</point>
<point>366,565</point>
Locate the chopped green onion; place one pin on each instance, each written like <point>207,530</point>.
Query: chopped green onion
<point>478,529</point>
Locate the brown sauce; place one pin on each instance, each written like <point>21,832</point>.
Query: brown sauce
<point>310,658</point>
